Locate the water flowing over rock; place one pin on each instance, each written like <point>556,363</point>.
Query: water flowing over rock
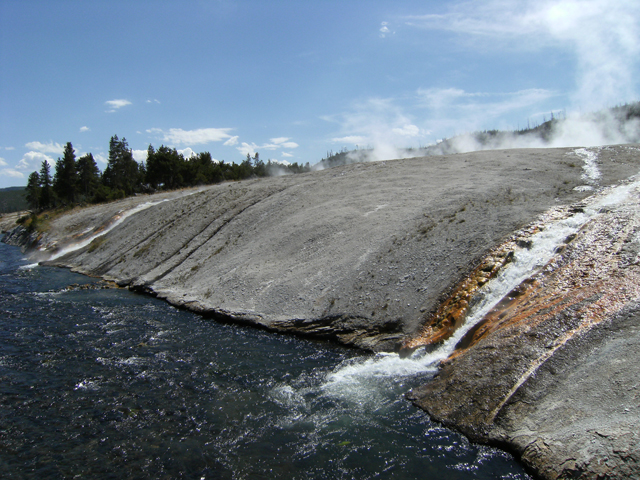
<point>397,255</point>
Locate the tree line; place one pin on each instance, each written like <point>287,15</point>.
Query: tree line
<point>77,181</point>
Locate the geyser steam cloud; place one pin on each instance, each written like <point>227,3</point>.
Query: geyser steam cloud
<point>598,40</point>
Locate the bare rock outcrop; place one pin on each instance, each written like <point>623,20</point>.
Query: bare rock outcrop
<point>359,253</point>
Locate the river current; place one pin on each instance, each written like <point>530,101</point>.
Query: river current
<point>106,383</point>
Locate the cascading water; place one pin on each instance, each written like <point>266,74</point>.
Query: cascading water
<point>360,375</point>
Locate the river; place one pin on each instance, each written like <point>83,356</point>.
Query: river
<point>104,383</point>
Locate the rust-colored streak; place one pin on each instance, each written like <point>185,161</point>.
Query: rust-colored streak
<point>584,283</point>
<point>451,313</point>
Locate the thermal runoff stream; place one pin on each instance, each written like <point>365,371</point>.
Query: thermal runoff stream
<point>553,231</point>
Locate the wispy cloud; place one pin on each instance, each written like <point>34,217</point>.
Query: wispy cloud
<point>283,142</point>
<point>84,129</point>
<point>201,136</point>
<point>50,147</point>
<point>231,141</point>
<point>10,172</point>
<point>603,36</point>
<point>384,30</point>
<point>100,158</point>
<point>154,101</point>
<point>116,104</point>
<point>273,144</point>
<point>452,110</point>
<point>3,163</point>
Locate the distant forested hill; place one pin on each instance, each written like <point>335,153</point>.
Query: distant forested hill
<point>12,199</point>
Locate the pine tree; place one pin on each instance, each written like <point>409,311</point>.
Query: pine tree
<point>32,191</point>
<point>65,181</point>
<point>46,192</point>
<point>122,172</point>
<point>88,175</point>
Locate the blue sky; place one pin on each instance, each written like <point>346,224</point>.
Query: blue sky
<point>295,79</point>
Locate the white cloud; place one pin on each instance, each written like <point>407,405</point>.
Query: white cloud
<point>178,136</point>
<point>187,152</point>
<point>9,148</point>
<point>84,129</point>
<point>245,148</point>
<point>116,104</point>
<point>603,36</point>
<point>139,155</point>
<point>153,101</point>
<point>33,161</point>
<point>288,155</point>
<point>276,143</point>
<point>407,131</point>
<point>10,172</point>
<point>100,158</point>
<point>50,147</point>
<point>3,163</point>
<point>281,162</point>
<point>352,139</point>
<point>232,141</point>
<point>384,29</point>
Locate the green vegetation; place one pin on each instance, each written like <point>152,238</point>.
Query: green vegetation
<point>96,243</point>
<point>80,181</point>
<point>12,199</point>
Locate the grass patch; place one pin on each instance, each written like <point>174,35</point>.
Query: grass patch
<point>96,243</point>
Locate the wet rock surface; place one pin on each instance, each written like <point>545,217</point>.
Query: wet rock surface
<point>552,372</point>
<point>377,255</point>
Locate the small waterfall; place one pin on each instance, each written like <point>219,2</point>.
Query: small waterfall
<point>526,263</point>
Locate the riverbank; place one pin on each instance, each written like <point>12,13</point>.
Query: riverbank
<point>364,254</point>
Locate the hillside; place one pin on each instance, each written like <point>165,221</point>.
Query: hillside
<point>12,199</point>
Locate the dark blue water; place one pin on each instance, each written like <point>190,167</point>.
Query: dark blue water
<point>104,383</point>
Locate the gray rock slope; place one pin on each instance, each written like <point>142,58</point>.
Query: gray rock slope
<point>359,254</point>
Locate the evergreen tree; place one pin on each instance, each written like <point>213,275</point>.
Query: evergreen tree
<point>88,175</point>
<point>166,168</point>
<point>122,172</point>
<point>32,191</point>
<point>65,181</point>
<point>46,191</point>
